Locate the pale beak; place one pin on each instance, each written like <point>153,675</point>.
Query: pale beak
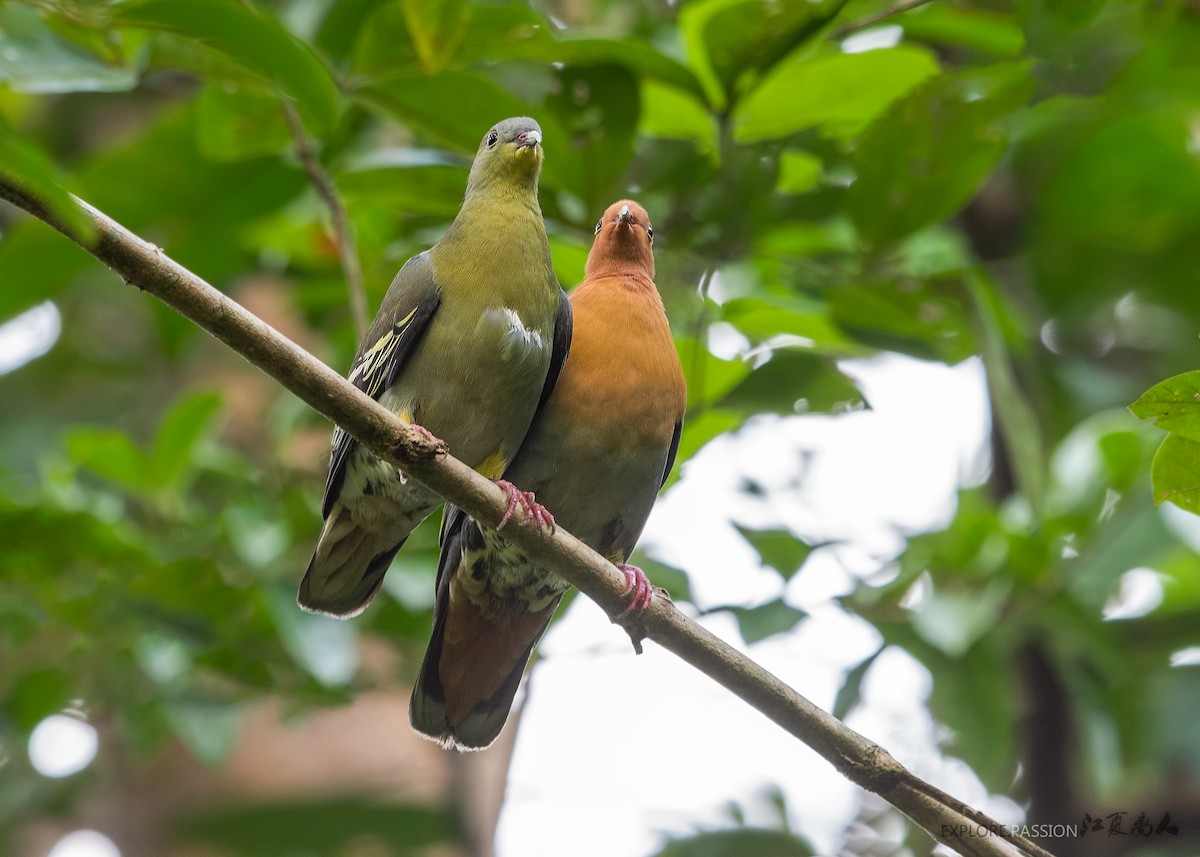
<point>623,215</point>
<point>529,138</point>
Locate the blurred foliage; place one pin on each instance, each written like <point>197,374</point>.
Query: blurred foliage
<point>1174,406</point>
<point>741,838</point>
<point>1013,181</point>
<point>320,828</point>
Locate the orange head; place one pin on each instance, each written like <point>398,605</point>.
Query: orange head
<point>624,239</point>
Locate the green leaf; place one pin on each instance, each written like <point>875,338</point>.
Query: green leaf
<point>1123,458</point>
<point>850,692</point>
<point>636,57</point>
<point>802,240</point>
<point>588,122</point>
<point>33,171</point>
<point>762,317</point>
<point>1017,419</point>
<point>517,31</point>
<point>35,59</point>
<point>180,431</point>
<point>779,549</point>
<point>958,26</point>
<point>925,159</point>
<point>1094,237</point>
<point>1181,587</point>
<point>437,28</point>
<point>341,26</point>
<point>408,181</point>
<point>731,42</point>
<point>924,317</point>
<point>234,124</point>
<point>256,42</point>
<point>939,250</point>
<point>111,454</point>
<point>674,114</point>
<point>1176,473</point>
<point>794,381</point>
<point>765,620</point>
<point>839,93</point>
<point>114,456</point>
<point>708,377</point>
<point>739,842</point>
<point>1173,405</point>
<point>799,172</point>
<point>384,47</point>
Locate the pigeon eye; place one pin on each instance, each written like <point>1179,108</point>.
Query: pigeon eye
<point>599,225</point>
<point>650,233</point>
<point>492,137</point>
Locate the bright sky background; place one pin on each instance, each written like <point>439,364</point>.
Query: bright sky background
<point>653,747</point>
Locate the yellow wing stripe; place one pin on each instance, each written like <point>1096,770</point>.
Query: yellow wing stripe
<point>370,370</point>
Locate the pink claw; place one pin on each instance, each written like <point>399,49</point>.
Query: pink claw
<point>639,586</point>
<point>535,511</point>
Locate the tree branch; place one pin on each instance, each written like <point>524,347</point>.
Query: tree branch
<point>143,265</point>
<point>872,20</point>
<point>343,233</point>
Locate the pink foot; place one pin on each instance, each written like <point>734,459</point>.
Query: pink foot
<point>638,586</point>
<point>533,510</point>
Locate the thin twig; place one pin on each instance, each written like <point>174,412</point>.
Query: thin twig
<point>343,232</point>
<point>145,266</point>
<point>872,20</point>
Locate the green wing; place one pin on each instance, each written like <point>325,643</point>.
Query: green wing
<point>410,302</point>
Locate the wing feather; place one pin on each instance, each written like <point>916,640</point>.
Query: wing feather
<point>671,451</point>
<point>410,302</point>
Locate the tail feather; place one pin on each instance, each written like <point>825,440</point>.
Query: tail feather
<point>347,568</point>
<point>473,665</point>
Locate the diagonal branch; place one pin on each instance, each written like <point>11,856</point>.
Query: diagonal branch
<point>343,233</point>
<point>879,17</point>
<point>141,264</point>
